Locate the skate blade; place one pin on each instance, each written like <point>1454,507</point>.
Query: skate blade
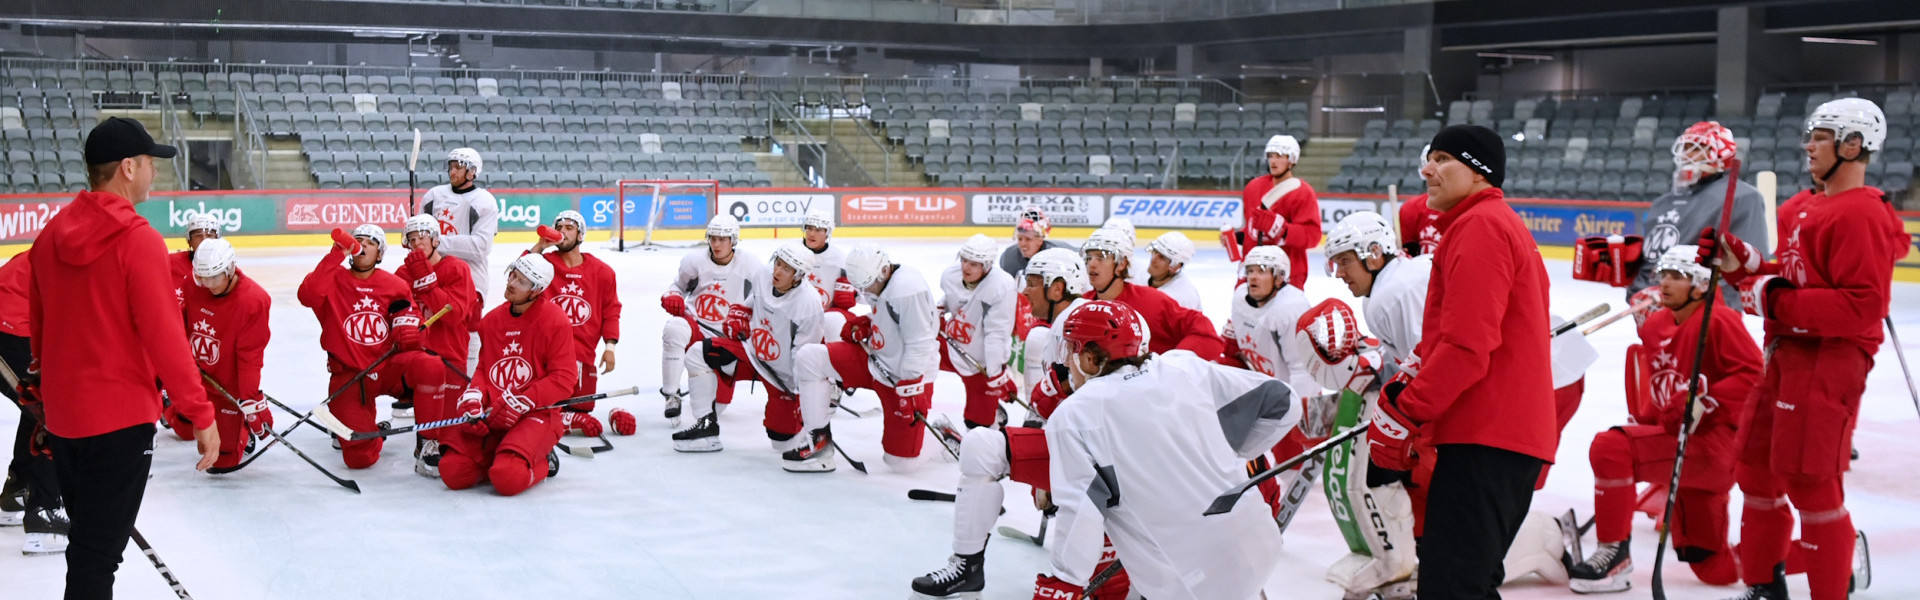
<point>959,596</point>
<point>709,445</point>
<point>808,467</point>
<point>12,519</point>
<point>35,547</point>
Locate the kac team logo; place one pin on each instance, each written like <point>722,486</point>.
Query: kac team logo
<point>206,347</point>
<point>711,306</point>
<point>366,326</point>
<point>959,330</point>
<point>571,302</point>
<point>765,347</point>
<point>512,372</point>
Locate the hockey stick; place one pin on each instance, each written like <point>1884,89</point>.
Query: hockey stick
<point>1693,387</point>
<point>1037,540</point>
<point>975,363</point>
<point>1225,501</point>
<point>929,495</point>
<point>1591,314</point>
<point>165,573</point>
<point>1768,184</point>
<point>215,386</point>
<point>1902,354</point>
<point>463,419</point>
<point>587,451</point>
<point>413,178</point>
<point>325,418</point>
<point>1100,579</point>
<point>1297,493</point>
<point>1641,307</point>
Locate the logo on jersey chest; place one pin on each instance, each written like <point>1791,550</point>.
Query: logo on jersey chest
<point>765,347</point>
<point>366,325</point>
<point>571,302</point>
<point>511,371</point>
<point>1793,261</point>
<point>711,304</point>
<point>1429,239</point>
<point>1669,386</point>
<point>206,347</point>
<point>958,329</point>
<point>445,216</point>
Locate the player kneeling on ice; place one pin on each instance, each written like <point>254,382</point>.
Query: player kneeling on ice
<point>827,276</point>
<point>701,297</point>
<point>892,353</point>
<point>1644,450</point>
<point>1140,450</point>
<point>586,290</point>
<point>764,334</point>
<point>438,282</point>
<point>226,319</point>
<point>527,363</point>
<point>977,314</point>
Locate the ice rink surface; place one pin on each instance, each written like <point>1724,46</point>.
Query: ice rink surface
<point>646,522</point>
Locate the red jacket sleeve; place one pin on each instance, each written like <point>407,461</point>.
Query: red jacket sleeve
<point>313,288</point>
<point>1855,260</point>
<point>1195,330</point>
<point>609,287</point>
<point>252,351</point>
<point>1302,210</point>
<point>1454,350</point>
<point>156,324</point>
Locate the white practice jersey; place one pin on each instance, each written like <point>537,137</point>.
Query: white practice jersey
<point>782,323</point>
<point>468,223</point>
<point>1045,348</point>
<point>827,276</point>
<point>1181,289</point>
<point>1138,455</point>
<point>1398,304</point>
<point>982,319</point>
<point>1265,336</point>
<point>711,290</point>
<point>904,324</point>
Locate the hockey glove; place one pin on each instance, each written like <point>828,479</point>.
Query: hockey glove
<point>860,329</point>
<point>739,321</point>
<point>1644,302</point>
<point>673,304</point>
<point>910,390</point>
<point>624,422</point>
<point>1738,259</point>
<point>1268,226</point>
<point>406,330</point>
<point>507,410</point>
<point>1390,439</point>
<point>472,405</point>
<point>257,416</point>
<point>1754,293</point>
<point>1048,587</point>
<point>1000,387</point>
<point>582,423</point>
<point>345,242</point>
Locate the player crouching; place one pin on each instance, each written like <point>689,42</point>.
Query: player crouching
<point>703,294</point>
<point>527,363</point>
<point>226,319</point>
<point>763,336</point>
<point>892,353</point>
<point>587,291</point>
<point>976,331</point>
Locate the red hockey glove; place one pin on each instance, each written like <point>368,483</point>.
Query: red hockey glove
<point>345,242</point>
<point>860,329</point>
<point>1738,259</point>
<point>257,416</point>
<point>623,421</point>
<point>673,304</point>
<point>911,390</point>
<point>1048,587</point>
<point>739,321</point>
<point>1000,387</point>
<point>1754,293</point>
<point>1268,226</point>
<point>508,407</point>
<point>548,234</point>
<point>406,330</point>
<point>1649,297</point>
<point>1592,261</point>
<point>1390,435</point>
<point>583,424</point>
<point>472,405</point>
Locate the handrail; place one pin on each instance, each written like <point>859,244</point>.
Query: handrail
<point>1239,158</point>
<point>250,145</point>
<point>777,111</point>
<point>886,161</point>
<point>170,130</point>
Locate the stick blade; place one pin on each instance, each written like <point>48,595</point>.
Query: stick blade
<point>325,418</point>
<point>1016,534</point>
<point>919,494</point>
<point>1224,502</point>
<point>351,484</point>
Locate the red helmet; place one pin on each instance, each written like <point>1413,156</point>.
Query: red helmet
<point>1111,326</point>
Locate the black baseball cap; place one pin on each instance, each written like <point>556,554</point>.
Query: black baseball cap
<point>120,138</point>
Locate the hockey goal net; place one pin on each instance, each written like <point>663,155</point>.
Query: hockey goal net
<point>644,206</point>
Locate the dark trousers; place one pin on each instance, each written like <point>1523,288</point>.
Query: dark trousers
<point>35,472</point>
<point>104,477</point>
<point>1475,502</point>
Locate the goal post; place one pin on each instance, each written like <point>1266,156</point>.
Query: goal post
<point>644,206</point>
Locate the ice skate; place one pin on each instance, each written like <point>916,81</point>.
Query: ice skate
<point>703,436</point>
<point>1606,571</point>
<point>426,459</point>
<point>553,463</point>
<point>673,400</point>
<point>13,502</point>
<point>814,457</point>
<point>402,409</point>
<point>1772,590</point>
<point>1407,589</point>
<point>944,431</point>
<point>964,576</point>
<point>46,532</point>
<point>1862,565</point>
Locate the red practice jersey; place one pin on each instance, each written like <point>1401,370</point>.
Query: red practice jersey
<point>352,311</point>
<point>1732,367</point>
<point>1838,252</point>
<point>530,354</point>
<point>589,295</point>
<point>1172,326</point>
<point>1419,233</point>
<point>228,335</point>
<point>1300,207</point>
<point>446,285</point>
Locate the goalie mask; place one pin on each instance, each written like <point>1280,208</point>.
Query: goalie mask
<point>1702,151</point>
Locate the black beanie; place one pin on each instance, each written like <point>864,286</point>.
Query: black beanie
<point>1480,148</point>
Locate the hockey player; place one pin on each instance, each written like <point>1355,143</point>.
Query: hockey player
<point>227,328</point>
<point>1108,256</point>
<point>837,297</point>
<point>702,295</point>
<point>1281,209</point>
<point>200,228</point>
<point>1140,450</point>
<point>469,217</point>
<point>1171,253</point>
<point>528,362</point>
<point>976,330</point>
<point>437,283</point>
<point>1029,238</point>
<point>364,312</point>
<point>764,333</point>
<point>1822,302</point>
<point>1700,183</point>
<point>893,352</point>
<point>1643,451</point>
<point>1418,235</point>
<point>589,294</point>
<point>1260,333</point>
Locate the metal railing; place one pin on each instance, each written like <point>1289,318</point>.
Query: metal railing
<point>249,146</point>
<point>846,110</point>
<point>1021,12</point>
<point>173,134</point>
<point>806,146</point>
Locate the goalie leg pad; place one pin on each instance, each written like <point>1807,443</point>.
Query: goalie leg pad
<point>1385,518</point>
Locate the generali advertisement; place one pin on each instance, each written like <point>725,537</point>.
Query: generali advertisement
<point>324,213</point>
<point>902,209</point>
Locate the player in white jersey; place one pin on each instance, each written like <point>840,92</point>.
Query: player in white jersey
<point>1360,252</point>
<point>977,308</point>
<point>1260,332</point>
<point>892,352</point>
<point>469,217</point>
<point>763,335</point>
<point>837,297</point>
<point>702,295</point>
<point>1165,272</point>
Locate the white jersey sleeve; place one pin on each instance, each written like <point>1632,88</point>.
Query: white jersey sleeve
<point>1181,289</point>
<point>905,324</point>
<point>1044,346</point>
<point>1397,307</point>
<point>781,324</point>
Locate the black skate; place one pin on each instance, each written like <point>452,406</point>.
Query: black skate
<point>46,532</point>
<point>814,457</point>
<point>965,576</point>
<point>703,436</point>
<point>403,409</point>
<point>13,502</point>
<point>553,463</point>
<point>1606,571</point>
<point>426,458</point>
<point>1772,590</point>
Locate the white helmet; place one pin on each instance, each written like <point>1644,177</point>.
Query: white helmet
<point>819,219</point>
<point>1175,246</point>
<point>1684,259</point>
<point>215,257</point>
<point>1122,225</point>
<point>725,226</point>
<point>1060,263</point>
<point>1360,233</point>
<point>864,263</point>
<point>1111,241</point>
<point>467,157</point>
<point>1848,117</point>
<point>203,222</point>
<point>570,215</point>
<point>1422,168</point>
<point>535,268</point>
<point>424,223</point>
<point>1273,259</point>
<point>372,232</point>
<point>796,256</point>
<point>979,249</point>
<point>1284,145</point>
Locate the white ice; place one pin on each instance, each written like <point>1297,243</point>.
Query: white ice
<point>646,522</point>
